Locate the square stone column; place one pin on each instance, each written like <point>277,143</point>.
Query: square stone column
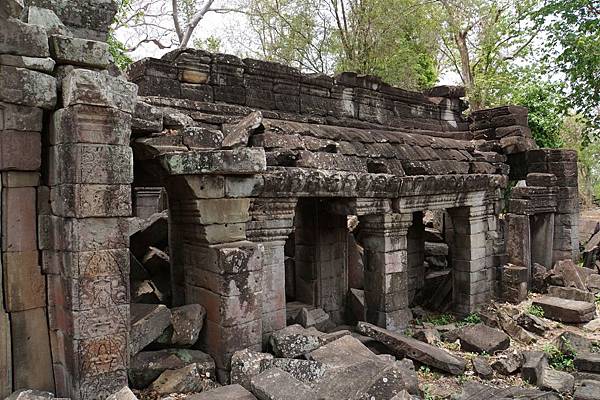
<point>386,272</point>
<point>222,270</point>
<point>272,221</point>
<point>471,276</point>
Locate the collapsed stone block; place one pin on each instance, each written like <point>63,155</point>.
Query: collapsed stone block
<point>19,38</point>
<point>79,52</point>
<point>275,384</point>
<point>82,86</point>
<point>148,321</point>
<point>26,87</point>
<point>45,65</point>
<point>566,310</point>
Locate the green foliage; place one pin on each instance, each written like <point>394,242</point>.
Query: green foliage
<point>559,360</point>
<point>535,311</point>
<point>363,36</point>
<point>573,50</point>
<point>211,43</point>
<point>471,319</point>
<point>118,52</point>
<point>598,298</point>
<point>440,319</point>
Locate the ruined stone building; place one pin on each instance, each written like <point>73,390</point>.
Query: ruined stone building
<point>261,166</point>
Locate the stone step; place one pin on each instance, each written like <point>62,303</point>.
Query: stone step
<point>563,310</point>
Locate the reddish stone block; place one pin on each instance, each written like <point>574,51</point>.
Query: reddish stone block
<point>87,234</point>
<point>86,264</point>
<point>221,342</point>
<point>20,150</point>
<point>24,284</point>
<point>20,118</point>
<point>88,293</point>
<point>226,311</point>
<point>90,323</point>
<point>19,219</point>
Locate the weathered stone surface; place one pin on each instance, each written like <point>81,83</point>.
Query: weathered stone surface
<point>82,86</point>
<point>481,338</point>
<point>90,124</point>
<point>295,340</point>
<point>587,390</point>
<point>558,381</point>
<point>238,161</point>
<point>24,284</point>
<point>589,362</point>
<point>186,323</point>
<point>387,384</point>
<point>572,275</point>
<point>306,371</point>
<point>11,8</point>
<point>196,137</point>
<point>508,365</point>
<point>35,63</point>
<point>148,321</point>
<point>48,20</point>
<point>123,394</point>
<point>96,164</point>
<point>146,118</point>
<point>571,293</point>
<point>29,394</point>
<point>83,201</point>
<point>515,331</point>
<point>342,352</point>
<point>566,310</point>
<point>429,336</point>
<point>23,39</point>
<point>27,87</point>
<point>229,392</point>
<point>482,368</point>
<point>534,364</point>
<point>593,325</point>
<point>246,364</point>
<point>275,384</point>
<point>183,380</point>
<point>475,390</point>
<point>79,52</point>
<point>404,346</point>
<point>315,317</point>
<point>12,156</point>
<point>146,366</point>
<point>571,342</point>
<point>239,134</point>
<point>533,324</point>
<point>538,276</point>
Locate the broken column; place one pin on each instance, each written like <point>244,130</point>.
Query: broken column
<point>471,276</point>
<point>84,233</point>
<point>221,269</point>
<point>271,224</point>
<point>386,275</point>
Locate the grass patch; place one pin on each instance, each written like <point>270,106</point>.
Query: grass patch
<point>441,319</point>
<point>535,311</point>
<point>558,359</point>
<point>471,319</point>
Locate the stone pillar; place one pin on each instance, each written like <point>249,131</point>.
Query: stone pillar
<point>542,239</point>
<point>386,275</point>
<point>221,269</point>
<point>416,255</point>
<point>84,234</point>
<point>272,221</point>
<point>518,241</point>
<point>471,279</point>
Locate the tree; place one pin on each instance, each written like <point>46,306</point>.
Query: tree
<point>482,38</point>
<point>573,45</point>
<point>382,37</point>
<point>162,23</point>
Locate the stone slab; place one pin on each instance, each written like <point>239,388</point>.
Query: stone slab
<point>83,86</point>
<point>84,201</point>
<point>90,163</point>
<point>566,310</point>
<point>148,321</point>
<point>90,124</point>
<point>19,38</point>
<point>30,340</point>
<point>79,52</point>
<point>240,161</point>
<point>40,64</point>
<point>12,156</point>
<point>24,284</point>
<point>26,87</point>
<point>228,392</point>
<point>15,117</point>
<point>407,347</point>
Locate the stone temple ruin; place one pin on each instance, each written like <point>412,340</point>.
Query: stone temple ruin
<point>260,168</point>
